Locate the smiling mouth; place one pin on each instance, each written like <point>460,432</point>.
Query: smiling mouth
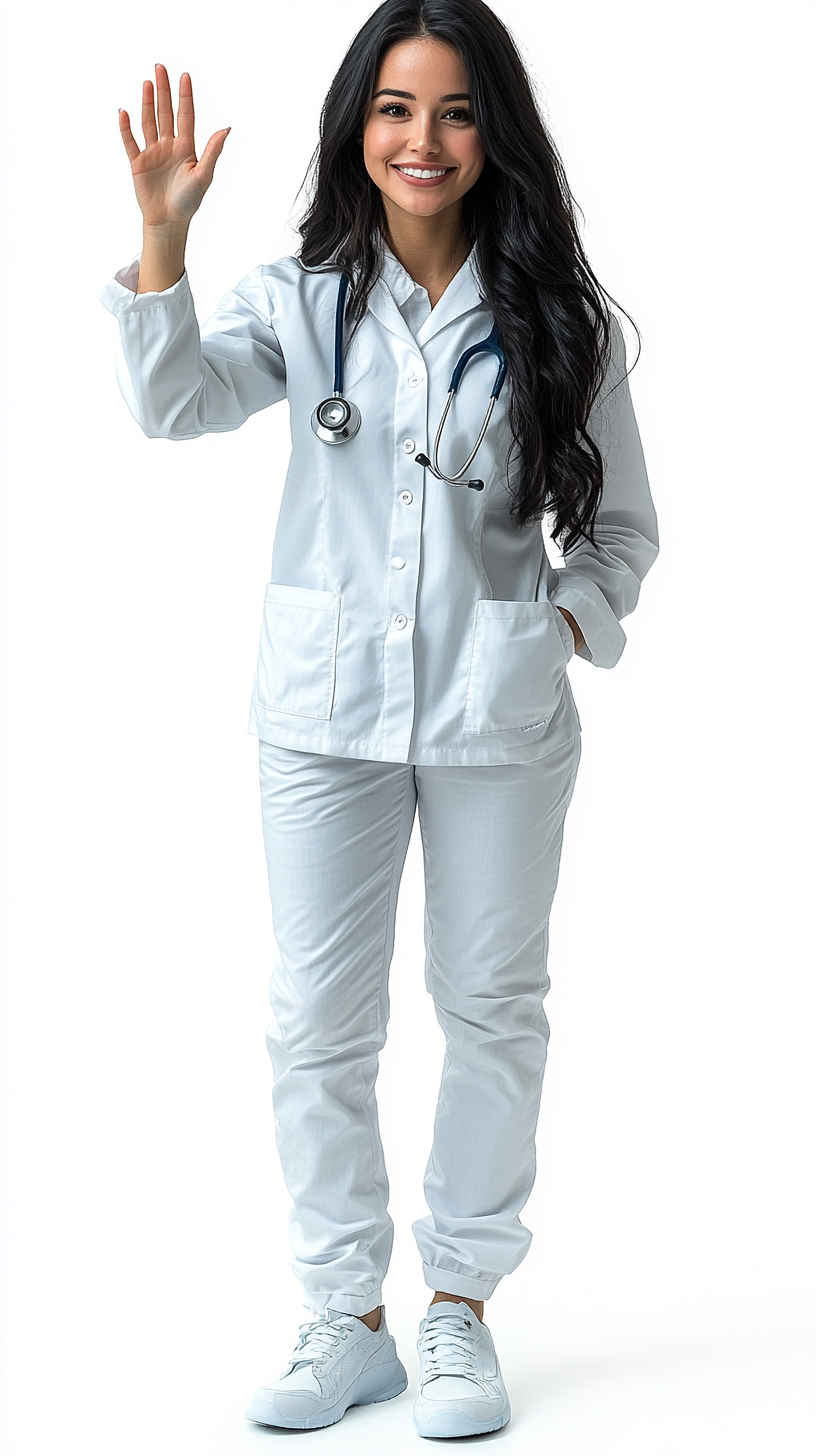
<point>422,173</point>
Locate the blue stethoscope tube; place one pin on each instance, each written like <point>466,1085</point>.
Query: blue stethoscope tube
<point>336,419</point>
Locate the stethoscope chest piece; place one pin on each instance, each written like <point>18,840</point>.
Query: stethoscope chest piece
<point>335,420</point>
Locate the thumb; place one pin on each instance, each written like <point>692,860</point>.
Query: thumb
<point>211,153</point>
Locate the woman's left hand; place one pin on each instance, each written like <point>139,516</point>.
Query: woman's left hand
<point>576,630</point>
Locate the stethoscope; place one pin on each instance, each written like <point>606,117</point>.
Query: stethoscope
<point>336,420</point>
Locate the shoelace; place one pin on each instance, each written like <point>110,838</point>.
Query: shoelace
<point>319,1338</point>
<point>447,1346</point>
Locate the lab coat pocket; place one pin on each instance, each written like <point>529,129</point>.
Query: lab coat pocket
<point>298,653</point>
<point>518,659</point>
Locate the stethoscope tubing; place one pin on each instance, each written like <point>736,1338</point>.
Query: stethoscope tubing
<point>339,321</point>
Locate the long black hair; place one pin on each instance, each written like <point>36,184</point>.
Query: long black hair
<point>520,218</point>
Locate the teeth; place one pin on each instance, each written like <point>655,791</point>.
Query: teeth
<point>423,171</point>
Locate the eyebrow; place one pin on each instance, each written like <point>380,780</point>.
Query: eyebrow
<point>409,96</point>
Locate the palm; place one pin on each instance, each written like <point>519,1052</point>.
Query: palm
<point>169,179</point>
<point>165,176</point>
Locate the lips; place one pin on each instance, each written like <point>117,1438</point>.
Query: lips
<point>428,176</point>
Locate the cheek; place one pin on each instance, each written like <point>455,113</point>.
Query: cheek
<point>375,143</point>
<point>472,153</point>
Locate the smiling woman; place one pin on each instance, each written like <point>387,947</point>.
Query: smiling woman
<point>414,644</point>
<point>441,83</point>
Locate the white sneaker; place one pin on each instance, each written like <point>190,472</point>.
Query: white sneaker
<point>461,1391</point>
<point>337,1362</point>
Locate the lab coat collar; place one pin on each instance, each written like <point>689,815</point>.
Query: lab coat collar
<point>394,285</point>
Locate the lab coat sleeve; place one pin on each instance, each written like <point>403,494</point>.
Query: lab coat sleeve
<point>179,381</point>
<point>600,584</point>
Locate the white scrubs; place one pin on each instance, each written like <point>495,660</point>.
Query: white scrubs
<point>412,659</point>
<point>336,832</point>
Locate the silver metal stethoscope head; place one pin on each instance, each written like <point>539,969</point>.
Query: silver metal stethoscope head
<point>336,420</point>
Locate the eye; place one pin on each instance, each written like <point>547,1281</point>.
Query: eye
<point>459,113</point>
<point>390,107</point>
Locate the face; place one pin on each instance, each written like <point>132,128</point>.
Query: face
<point>420,121</point>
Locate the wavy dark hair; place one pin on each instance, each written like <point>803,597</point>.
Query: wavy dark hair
<point>519,217</point>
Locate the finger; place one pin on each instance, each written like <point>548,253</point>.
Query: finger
<point>165,102</point>
<point>186,110</point>
<point>131,145</point>
<point>211,153</point>
<point>148,114</point>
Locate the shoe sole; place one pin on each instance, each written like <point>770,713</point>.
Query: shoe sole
<point>382,1382</point>
<point>451,1423</point>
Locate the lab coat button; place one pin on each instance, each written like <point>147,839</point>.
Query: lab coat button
<point>409,446</point>
<point>398,562</point>
<point>414,380</point>
<point>406,497</point>
<point>400,621</point>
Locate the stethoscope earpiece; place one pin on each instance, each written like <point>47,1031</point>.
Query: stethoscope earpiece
<point>471,484</point>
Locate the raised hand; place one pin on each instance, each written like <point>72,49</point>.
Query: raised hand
<point>170,181</point>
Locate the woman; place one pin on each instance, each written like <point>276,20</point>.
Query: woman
<point>415,641</point>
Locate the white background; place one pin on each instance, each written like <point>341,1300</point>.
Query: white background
<point>666,1300</point>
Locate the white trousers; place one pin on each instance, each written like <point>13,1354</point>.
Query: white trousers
<point>336,832</point>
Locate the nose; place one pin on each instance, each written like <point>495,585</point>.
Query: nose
<point>425,141</point>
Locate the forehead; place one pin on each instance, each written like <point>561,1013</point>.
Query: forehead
<point>423,64</point>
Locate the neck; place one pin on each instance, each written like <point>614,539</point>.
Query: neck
<point>430,249</point>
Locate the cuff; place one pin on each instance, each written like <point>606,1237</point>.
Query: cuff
<point>604,637</point>
<point>567,635</point>
<point>120,296</point>
<point>318,1301</point>
<point>444,1282</point>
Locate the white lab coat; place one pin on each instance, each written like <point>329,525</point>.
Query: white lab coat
<point>406,620</point>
